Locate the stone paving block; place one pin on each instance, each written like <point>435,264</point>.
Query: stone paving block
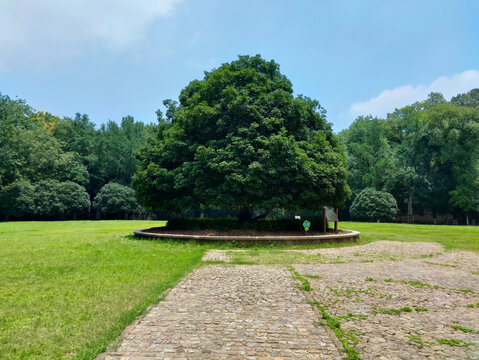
<point>402,309</point>
<point>230,312</point>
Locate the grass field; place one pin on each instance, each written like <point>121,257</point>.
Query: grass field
<point>67,289</point>
<point>452,237</point>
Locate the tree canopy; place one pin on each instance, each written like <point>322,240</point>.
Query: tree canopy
<point>239,139</point>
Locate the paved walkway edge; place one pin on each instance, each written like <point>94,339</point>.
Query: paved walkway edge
<point>311,300</point>
<point>115,344</point>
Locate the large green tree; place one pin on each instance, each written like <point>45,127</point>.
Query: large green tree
<point>239,139</point>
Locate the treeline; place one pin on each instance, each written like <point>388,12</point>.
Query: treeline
<point>426,155</point>
<point>65,168</point>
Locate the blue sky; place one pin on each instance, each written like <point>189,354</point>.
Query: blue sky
<point>111,58</point>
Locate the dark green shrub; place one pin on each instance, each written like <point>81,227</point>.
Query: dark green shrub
<point>373,205</point>
<point>60,200</point>
<point>116,201</point>
<point>75,200</point>
<point>234,224</point>
<point>44,200</point>
<point>17,200</point>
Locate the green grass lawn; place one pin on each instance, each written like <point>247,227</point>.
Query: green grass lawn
<point>67,289</point>
<point>452,237</point>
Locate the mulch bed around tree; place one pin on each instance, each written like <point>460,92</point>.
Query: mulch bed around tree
<point>241,232</point>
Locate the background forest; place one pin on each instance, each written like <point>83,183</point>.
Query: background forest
<point>426,155</point>
<point>65,168</point>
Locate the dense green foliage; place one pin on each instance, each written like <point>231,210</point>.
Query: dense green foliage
<point>240,140</point>
<point>373,205</point>
<point>60,200</point>
<point>232,223</point>
<point>51,167</point>
<point>426,155</point>
<point>70,288</point>
<point>114,200</point>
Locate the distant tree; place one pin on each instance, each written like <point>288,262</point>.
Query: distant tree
<point>240,140</point>
<point>14,117</point>
<point>60,200</point>
<point>453,134</point>
<point>469,99</point>
<point>41,157</point>
<point>411,178</point>
<point>114,150</point>
<point>115,200</point>
<point>17,200</point>
<point>466,197</point>
<point>75,200</point>
<point>171,107</point>
<point>370,157</point>
<point>373,205</point>
<point>76,134</point>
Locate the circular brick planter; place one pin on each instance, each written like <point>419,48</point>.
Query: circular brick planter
<point>345,236</point>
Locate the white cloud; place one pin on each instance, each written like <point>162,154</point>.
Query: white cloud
<point>389,100</point>
<point>49,31</point>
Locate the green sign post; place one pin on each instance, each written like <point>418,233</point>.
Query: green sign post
<point>306,225</point>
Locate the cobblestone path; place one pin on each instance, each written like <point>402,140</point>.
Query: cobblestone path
<point>231,312</point>
<point>406,309</point>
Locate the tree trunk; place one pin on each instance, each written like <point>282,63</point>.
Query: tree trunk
<point>410,215</point>
<point>467,219</point>
<point>244,214</point>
